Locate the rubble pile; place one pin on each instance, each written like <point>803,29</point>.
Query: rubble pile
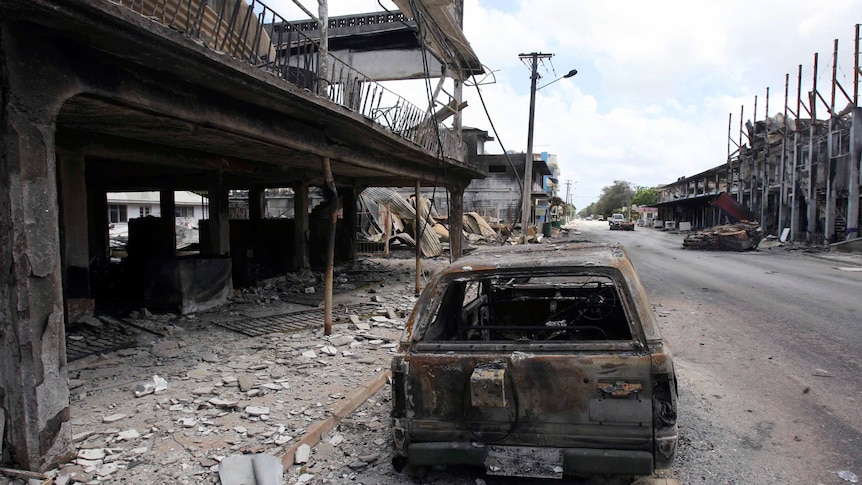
<point>384,207</point>
<point>206,393</point>
<point>741,236</point>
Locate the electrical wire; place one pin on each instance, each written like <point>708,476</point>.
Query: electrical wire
<point>505,152</point>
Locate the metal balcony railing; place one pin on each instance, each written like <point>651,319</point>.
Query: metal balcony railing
<point>250,31</point>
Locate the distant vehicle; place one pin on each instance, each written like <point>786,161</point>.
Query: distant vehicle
<point>589,218</point>
<point>535,362</point>
<point>618,222</point>
<point>601,217</point>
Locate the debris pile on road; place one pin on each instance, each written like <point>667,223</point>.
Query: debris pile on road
<point>741,236</point>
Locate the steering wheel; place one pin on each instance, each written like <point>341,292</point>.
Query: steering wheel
<point>600,304</point>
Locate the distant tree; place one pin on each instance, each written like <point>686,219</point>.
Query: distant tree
<point>614,197</point>
<point>645,196</point>
<point>588,210</point>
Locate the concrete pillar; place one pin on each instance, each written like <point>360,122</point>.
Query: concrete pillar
<point>300,226</point>
<point>853,181</point>
<point>350,220</point>
<point>456,221</point>
<point>34,396</point>
<point>256,204</point>
<point>98,233</point>
<point>219,223</point>
<point>74,235</point>
<point>168,208</point>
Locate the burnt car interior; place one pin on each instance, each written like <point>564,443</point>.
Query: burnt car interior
<point>537,308</point>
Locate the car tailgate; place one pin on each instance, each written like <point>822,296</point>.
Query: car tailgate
<point>588,399</point>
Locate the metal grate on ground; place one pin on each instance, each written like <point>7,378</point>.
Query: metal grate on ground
<point>85,340</point>
<point>295,321</point>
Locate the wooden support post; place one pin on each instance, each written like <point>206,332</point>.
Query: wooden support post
<point>418,234</point>
<point>330,192</point>
<point>387,231</point>
<point>456,221</point>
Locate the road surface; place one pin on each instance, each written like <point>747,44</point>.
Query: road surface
<point>767,351</point>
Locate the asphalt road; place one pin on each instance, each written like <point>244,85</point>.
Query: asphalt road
<point>767,350</point>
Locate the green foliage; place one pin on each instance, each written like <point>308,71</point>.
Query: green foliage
<point>614,198</point>
<point>645,196</point>
<point>588,210</point>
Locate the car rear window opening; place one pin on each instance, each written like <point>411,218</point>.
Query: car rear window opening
<point>546,308</point>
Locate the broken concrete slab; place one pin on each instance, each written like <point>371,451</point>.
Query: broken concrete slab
<point>111,418</point>
<point>256,410</point>
<point>255,469</point>
<point>340,340</point>
<point>303,453</point>
<point>246,382</point>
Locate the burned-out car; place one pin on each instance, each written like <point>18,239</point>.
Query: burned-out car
<point>535,361</point>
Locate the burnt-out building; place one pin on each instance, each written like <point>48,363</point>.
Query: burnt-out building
<point>101,96</point>
<point>797,171</point>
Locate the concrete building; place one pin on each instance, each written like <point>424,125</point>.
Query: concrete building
<point>103,96</point>
<point>189,207</point>
<point>796,174</point>
<point>498,196</point>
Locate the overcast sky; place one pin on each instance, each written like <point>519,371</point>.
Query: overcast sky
<point>656,80</point>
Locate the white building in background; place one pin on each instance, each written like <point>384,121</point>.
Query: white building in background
<point>122,206</point>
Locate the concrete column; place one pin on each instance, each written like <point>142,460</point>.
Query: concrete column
<point>256,204</point>
<point>168,208</point>
<point>219,223</point>
<point>853,181</point>
<point>74,235</point>
<point>456,221</point>
<point>34,396</point>
<point>300,226</point>
<point>350,220</point>
<point>98,234</point>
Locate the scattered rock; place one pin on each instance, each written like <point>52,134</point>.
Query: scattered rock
<point>111,418</point>
<point>246,382</point>
<point>128,435</point>
<point>303,453</point>
<point>256,410</point>
<point>92,454</point>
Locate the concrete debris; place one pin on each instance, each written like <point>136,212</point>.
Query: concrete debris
<point>256,410</point>
<point>224,403</point>
<point>227,394</point>
<point>340,340</point>
<point>303,453</point>
<point>246,382</point>
<point>254,469</point>
<point>128,435</point>
<point>111,418</point>
<point>92,454</point>
<point>741,236</point>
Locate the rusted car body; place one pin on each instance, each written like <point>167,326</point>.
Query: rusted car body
<point>536,361</point>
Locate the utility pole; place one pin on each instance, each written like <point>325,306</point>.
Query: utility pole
<point>528,165</point>
<point>568,200</point>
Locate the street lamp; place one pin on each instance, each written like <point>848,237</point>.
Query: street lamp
<point>528,165</point>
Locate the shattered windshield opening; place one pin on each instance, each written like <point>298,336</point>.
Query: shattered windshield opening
<point>516,308</point>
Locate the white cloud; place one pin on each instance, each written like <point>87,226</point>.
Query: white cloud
<point>656,80</point>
